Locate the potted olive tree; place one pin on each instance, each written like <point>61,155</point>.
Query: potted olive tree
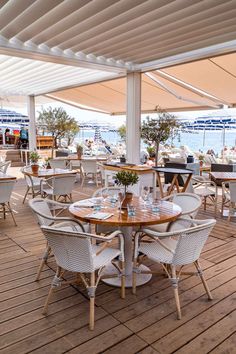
<point>201,159</point>
<point>125,178</point>
<point>151,152</point>
<point>158,130</point>
<point>79,149</point>
<point>34,157</point>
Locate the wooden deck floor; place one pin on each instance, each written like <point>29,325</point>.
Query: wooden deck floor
<point>145,323</point>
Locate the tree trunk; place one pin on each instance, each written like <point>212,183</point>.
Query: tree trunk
<point>156,156</point>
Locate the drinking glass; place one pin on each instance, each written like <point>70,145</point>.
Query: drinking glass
<point>131,210</point>
<point>155,206</point>
<point>97,204</point>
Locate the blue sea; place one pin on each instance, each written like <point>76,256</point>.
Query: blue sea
<point>195,141</point>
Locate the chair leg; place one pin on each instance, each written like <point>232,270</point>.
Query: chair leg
<point>26,193</point>
<point>54,284</point>
<point>229,216</point>
<point>4,211</point>
<point>222,206</point>
<point>91,302</point>
<point>204,203</point>
<point>134,277</point>
<point>82,182</point>
<point>10,209</point>
<point>123,280</point>
<point>43,262</point>
<point>215,202</point>
<point>174,282</point>
<point>199,269</point>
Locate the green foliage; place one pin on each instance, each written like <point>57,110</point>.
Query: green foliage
<point>151,151</point>
<point>122,131</point>
<point>159,130</point>
<point>126,178</point>
<point>201,157</point>
<point>34,157</point>
<point>57,122</point>
<point>79,148</point>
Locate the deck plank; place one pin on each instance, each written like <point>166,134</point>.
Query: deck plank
<point>145,323</point>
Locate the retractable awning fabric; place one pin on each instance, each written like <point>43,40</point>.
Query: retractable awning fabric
<point>204,84</point>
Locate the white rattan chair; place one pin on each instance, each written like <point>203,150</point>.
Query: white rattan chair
<point>190,203</point>
<point>90,169</point>
<point>4,166</point>
<point>174,250</point>
<point>33,184</point>
<point>229,197</point>
<point>75,252</point>
<point>205,189</point>
<point>57,163</point>
<point>59,186</point>
<point>6,188</point>
<point>44,210</point>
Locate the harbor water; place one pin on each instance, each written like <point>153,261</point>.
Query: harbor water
<point>195,141</point>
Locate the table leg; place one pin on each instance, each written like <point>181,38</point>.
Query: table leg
<point>159,184</point>
<point>172,184</point>
<point>110,269</point>
<point>177,185</point>
<point>187,182</point>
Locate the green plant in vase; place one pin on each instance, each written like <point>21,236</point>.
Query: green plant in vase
<point>126,179</point>
<point>34,157</point>
<point>151,152</point>
<point>47,162</point>
<point>79,149</point>
<point>201,159</point>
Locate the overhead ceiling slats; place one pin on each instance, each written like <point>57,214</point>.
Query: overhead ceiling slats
<point>56,45</point>
<point>26,76</point>
<point>135,31</point>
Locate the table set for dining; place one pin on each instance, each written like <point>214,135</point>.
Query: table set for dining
<point>110,215</point>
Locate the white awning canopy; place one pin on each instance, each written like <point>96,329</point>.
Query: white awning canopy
<point>204,84</point>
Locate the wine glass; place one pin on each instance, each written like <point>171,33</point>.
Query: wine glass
<point>121,198</point>
<point>105,195</point>
<point>145,196</point>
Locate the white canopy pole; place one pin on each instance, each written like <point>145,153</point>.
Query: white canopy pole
<point>133,117</point>
<point>32,122</point>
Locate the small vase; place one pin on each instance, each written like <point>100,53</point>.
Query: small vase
<point>35,169</point>
<point>127,200</point>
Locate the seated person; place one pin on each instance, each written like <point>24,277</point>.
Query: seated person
<point>24,137</point>
<point>7,136</point>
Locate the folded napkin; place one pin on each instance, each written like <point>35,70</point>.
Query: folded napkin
<point>99,216</point>
<point>87,203</point>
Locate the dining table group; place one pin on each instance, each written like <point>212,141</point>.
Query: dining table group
<point>112,216</point>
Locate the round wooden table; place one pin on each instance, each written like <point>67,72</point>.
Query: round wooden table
<point>167,212</point>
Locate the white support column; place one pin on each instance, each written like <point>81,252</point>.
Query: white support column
<point>32,122</point>
<point>133,117</point>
